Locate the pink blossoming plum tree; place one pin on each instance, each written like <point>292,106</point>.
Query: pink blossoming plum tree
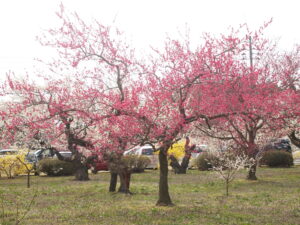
<point>253,96</point>
<point>54,113</point>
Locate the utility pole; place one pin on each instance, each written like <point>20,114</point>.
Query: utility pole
<point>250,53</point>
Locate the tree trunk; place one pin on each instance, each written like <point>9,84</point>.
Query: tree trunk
<point>186,159</point>
<point>185,163</point>
<point>252,152</point>
<point>252,172</point>
<point>164,197</point>
<point>180,168</point>
<point>227,187</point>
<point>125,176</point>
<point>81,172</point>
<point>294,139</point>
<point>28,179</point>
<point>113,182</point>
<point>175,164</point>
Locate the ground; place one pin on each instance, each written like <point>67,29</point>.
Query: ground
<point>199,198</point>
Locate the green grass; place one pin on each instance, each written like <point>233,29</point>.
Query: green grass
<point>199,198</point>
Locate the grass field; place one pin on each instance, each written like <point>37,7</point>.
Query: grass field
<point>199,198</point>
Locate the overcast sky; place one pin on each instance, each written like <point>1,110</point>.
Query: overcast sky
<point>144,22</point>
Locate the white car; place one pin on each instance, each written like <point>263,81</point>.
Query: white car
<point>296,156</point>
<point>145,150</point>
<point>130,151</point>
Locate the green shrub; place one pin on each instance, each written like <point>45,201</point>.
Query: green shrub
<point>55,167</point>
<point>205,161</point>
<point>136,163</point>
<point>277,158</point>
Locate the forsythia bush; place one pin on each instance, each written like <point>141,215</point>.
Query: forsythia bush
<point>13,165</point>
<point>177,150</point>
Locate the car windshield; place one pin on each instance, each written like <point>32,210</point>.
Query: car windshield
<point>131,152</point>
<point>31,157</point>
<point>147,151</point>
<point>66,154</point>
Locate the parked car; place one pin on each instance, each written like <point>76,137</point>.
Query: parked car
<point>65,154</point>
<point>145,150</point>
<point>49,153</point>
<point>31,157</point>
<point>44,153</point>
<point>279,144</point>
<point>198,150</point>
<point>130,151</point>
<point>140,150</point>
<point>98,164</point>
<point>296,157</point>
<point>35,157</point>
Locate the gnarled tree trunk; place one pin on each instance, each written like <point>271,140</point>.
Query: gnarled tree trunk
<point>177,167</point>
<point>113,182</point>
<point>252,172</point>
<point>294,139</point>
<point>182,168</point>
<point>117,166</point>
<point>125,176</point>
<point>164,197</point>
<point>81,172</point>
<point>175,164</point>
<point>185,163</point>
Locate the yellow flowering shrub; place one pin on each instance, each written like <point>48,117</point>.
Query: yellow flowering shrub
<point>177,149</point>
<point>15,164</point>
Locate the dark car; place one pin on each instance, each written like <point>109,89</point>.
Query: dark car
<point>65,154</point>
<point>31,157</point>
<point>40,154</point>
<point>279,144</point>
